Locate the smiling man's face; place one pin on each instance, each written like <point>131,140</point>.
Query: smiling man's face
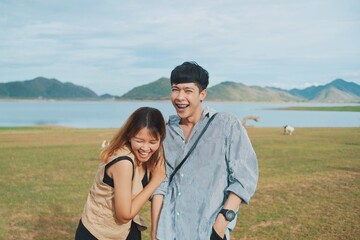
<point>186,98</point>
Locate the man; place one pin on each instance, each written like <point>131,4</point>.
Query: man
<point>202,200</point>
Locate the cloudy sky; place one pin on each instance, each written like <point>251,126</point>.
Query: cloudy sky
<point>113,46</point>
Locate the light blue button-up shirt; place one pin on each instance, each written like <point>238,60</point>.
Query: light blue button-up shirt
<point>223,161</point>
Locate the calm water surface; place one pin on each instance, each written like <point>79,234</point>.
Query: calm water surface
<point>111,114</point>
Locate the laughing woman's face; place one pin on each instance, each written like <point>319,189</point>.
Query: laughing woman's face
<point>143,145</point>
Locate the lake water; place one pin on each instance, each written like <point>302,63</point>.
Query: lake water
<point>112,114</point>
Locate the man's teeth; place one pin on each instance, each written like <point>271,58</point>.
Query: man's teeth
<point>182,105</point>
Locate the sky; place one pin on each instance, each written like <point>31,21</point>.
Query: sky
<point>113,46</point>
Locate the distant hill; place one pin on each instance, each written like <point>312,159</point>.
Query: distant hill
<point>41,87</point>
<point>338,90</point>
<point>157,90</point>
<point>231,91</point>
<point>226,91</point>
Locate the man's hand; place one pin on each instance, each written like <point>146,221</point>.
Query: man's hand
<point>220,225</point>
<point>233,203</point>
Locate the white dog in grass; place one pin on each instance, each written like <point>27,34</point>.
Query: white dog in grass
<point>288,130</point>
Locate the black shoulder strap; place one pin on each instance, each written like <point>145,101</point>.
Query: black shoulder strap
<point>119,159</point>
<point>192,148</point>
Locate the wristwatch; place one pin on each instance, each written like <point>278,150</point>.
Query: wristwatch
<point>228,214</point>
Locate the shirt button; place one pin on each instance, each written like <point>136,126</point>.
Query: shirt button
<point>177,213</point>
<point>181,174</point>
<point>179,194</point>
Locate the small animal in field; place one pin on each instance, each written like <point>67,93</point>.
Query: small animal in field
<point>288,130</point>
<point>104,144</point>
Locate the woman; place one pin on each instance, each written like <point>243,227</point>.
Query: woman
<point>122,186</point>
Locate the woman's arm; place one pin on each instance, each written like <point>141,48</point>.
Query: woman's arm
<point>127,208</point>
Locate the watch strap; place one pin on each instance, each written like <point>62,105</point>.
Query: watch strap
<point>224,212</point>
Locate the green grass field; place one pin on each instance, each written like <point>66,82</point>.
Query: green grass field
<point>309,186</point>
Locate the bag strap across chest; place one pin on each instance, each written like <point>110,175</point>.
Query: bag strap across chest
<point>191,149</point>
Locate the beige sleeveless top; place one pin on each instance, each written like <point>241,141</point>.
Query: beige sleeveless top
<point>99,212</point>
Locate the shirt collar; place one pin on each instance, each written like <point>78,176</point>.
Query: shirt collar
<point>208,112</point>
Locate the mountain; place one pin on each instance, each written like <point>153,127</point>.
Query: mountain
<point>157,90</point>
<point>226,91</point>
<point>41,87</point>
<point>338,90</point>
<point>231,91</point>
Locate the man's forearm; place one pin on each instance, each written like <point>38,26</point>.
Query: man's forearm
<point>156,205</point>
<point>232,203</point>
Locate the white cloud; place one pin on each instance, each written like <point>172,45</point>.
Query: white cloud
<point>99,44</point>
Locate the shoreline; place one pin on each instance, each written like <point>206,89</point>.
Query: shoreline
<point>165,100</point>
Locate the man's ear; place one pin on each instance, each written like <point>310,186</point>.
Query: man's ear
<point>203,94</point>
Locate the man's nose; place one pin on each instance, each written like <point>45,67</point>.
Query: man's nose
<point>180,95</point>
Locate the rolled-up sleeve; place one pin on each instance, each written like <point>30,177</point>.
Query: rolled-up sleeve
<point>242,163</point>
<point>162,189</point>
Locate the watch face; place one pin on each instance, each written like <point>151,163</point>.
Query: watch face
<point>230,215</point>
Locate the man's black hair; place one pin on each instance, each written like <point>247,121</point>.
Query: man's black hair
<point>189,72</point>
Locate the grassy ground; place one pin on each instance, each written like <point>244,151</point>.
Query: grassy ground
<point>309,185</point>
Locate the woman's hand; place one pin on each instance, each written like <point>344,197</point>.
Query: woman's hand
<point>158,173</point>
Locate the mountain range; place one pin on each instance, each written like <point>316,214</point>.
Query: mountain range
<point>41,87</point>
<point>337,91</point>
